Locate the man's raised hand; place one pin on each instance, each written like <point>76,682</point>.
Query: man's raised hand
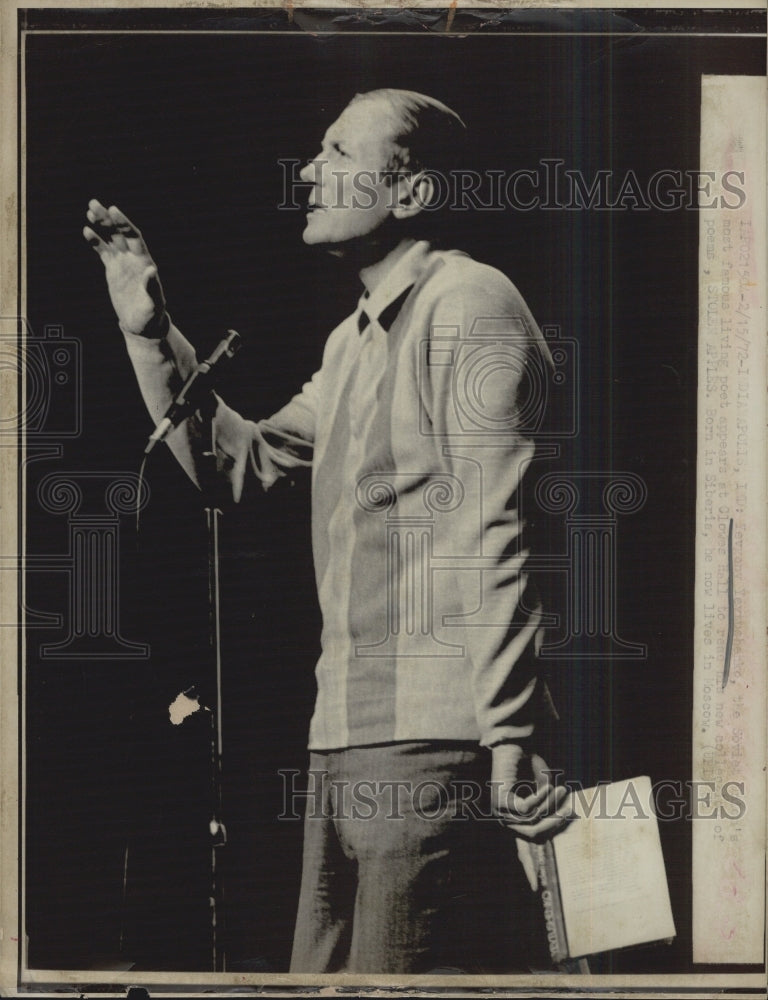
<point>132,279</point>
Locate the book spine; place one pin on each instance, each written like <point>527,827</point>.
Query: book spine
<point>551,901</point>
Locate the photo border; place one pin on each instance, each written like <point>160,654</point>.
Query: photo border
<point>15,979</point>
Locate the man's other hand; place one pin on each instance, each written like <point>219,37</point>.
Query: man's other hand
<point>532,809</point>
<point>132,279</point>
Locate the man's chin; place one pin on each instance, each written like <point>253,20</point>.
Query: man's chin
<point>321,240</point>
<point>313,238</point>
<point>352,246</point>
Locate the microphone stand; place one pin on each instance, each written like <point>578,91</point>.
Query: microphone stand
<point>199,384</point>
<point>212,490</point>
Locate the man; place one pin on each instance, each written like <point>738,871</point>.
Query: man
<point>417,428</point>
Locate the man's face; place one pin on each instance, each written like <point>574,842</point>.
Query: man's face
<point>350,197</point>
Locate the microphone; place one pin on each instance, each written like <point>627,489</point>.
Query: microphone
<point>197,386</point>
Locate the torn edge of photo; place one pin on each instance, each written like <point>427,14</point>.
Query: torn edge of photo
<point>408,631</point>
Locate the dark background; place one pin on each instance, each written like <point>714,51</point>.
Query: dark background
<point>184,132</point>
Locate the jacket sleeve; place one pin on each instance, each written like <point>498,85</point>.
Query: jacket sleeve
<point>486,406</point>
<point>269,448</point>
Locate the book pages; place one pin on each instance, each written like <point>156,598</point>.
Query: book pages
<point>610,870</point>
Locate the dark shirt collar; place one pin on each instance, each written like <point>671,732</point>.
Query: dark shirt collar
<point>387,316</point>
<point>386,300</point>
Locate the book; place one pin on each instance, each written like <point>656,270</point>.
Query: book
<point>602,879</point>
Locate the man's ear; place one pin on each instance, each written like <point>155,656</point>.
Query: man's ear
<point>414,193</point>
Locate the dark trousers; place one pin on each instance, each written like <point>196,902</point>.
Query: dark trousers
<point>404,870</point>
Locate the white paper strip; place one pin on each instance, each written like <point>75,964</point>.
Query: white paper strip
<point>729,726</point>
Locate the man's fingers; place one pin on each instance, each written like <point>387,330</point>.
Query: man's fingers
<point>544,828</point>
<point>106,230</point>
<point>544,799</point>
<point>122,223</point>
<point>94,240</point>
<point>114,227</point>
<point>531,808</point>
<point>534,810</point>
<point>97,212</point>
<point>126,228</point>
<point>99,222</point>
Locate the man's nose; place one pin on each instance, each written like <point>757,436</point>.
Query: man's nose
<point>310,171</point>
